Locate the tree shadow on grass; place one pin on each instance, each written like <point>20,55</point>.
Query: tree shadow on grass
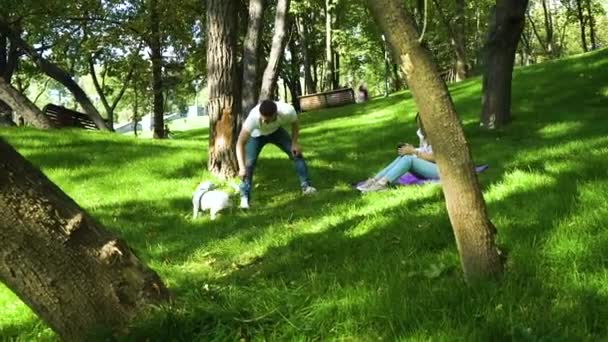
<point>392,271</point>
<point>330,254</point>
<point>168,223</point>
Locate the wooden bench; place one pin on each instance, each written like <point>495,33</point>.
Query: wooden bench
<point>63,117</point>
<point>334,98</point>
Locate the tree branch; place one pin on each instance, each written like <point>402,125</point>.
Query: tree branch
<point>540,39</point>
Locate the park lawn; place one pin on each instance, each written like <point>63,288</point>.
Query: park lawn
<point>345,266</point>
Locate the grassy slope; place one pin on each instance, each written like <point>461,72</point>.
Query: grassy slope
<point>344,266</point>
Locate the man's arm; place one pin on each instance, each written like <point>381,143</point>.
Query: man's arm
<point>295,131</point>
<point>295,134</point>
<point>240,151</point>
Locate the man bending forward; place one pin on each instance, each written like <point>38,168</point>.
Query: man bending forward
<point>263,125</point>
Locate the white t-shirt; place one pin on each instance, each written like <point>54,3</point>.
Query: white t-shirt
<point>286,114</point>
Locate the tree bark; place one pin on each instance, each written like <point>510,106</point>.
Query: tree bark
<point>456,33</point>
<point>548,30</point>
<point>315,73</point>
<point>466,208</point>
<point>9,57</point>
<point>279,39</point>
<point>75,275</point>
<point>541,42</point>
<point>156,57</point>
<point>336,48</point>
<point>336,82</point>
<point>591,26</point>
<point>329,53</point>
<point>291,74</point>
<point>462,64</point>
<point>251,51</point>
<point>309,83</point>
<point>526,50</point>
<point>457,38</point>
<point>6,112</point>
<point>58,74</point>
<point>135,118</point>
<point>397,84</point>
<point>581,21</point>
<point>23,106</point>
<point>387,63</point>
<point>224,123</point>
<point>102,96</point>
<point>504,31</point>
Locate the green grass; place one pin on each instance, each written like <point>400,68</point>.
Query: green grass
<point>342,266</point>
<point>198,122</point>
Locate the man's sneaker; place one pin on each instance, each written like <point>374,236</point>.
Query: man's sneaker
<point>308,190</point>
<point>244,203</point>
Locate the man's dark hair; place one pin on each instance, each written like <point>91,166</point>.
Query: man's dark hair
<point>268,108</point>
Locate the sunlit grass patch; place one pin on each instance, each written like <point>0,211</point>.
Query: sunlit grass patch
<point>560,129</point>
<point>518,181</point>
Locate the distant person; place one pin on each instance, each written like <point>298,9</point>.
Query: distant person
<point>363,94</point>
<point>263,125</point>
<point>418,160</point>
<point>168,132</point>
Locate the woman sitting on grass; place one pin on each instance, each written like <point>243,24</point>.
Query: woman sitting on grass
<point>419,161</point>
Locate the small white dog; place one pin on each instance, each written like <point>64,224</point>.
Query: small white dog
<point>205,197</point>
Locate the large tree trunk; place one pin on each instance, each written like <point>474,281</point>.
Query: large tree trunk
<point>457,38</point>
<point>135,116</point>
<point>473,230</point>
<point>23,106</point>
<point>251,53</point>
<point>55,72</point>
<point>462,65</point>
<point>6,116</point>
<point>397,84</point>
<point>336,82</point>
<point>526,49</point>
<point>591,26</point>
<point>156,58</point>
<point>387,64</point>
<point>541,42</point>
<point>9,59</point>
<point>329,51</point>
<point>476,35</point>
<point>309,83</point>
<point>336,49</point>
<point>224,122</point>
<point>75,275</point>
<point>581,21</point>
<point>548,30</point>
<point>279,39</point>
<point>291,74</point>
<point>504,31</point>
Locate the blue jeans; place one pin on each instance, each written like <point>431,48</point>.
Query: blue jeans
<point>408,163</point>
<point>254,146</point>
